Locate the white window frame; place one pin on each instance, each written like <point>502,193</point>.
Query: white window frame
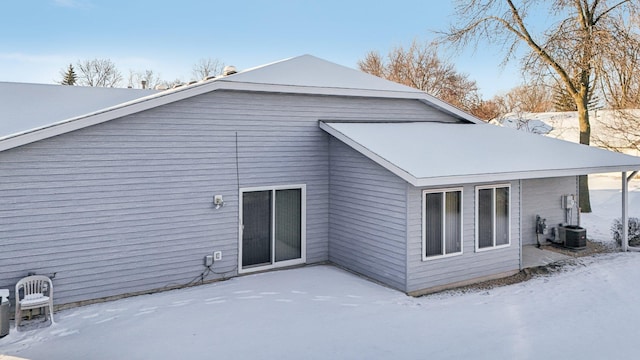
<point>424,223</point>
<point>303,230</point>
<point>493,210</point>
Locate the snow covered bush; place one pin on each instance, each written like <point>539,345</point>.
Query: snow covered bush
<point>634,231</point>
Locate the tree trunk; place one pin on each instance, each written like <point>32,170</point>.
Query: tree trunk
<point>585,136</point>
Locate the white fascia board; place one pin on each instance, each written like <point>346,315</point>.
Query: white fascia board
<point>509,176</point>
<point>310,90</point>
<point>448,108</point>
<point>371,155</point>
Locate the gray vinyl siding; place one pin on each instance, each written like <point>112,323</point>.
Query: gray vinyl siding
<point>367,217</point>
<point>126,206</point>
<point>543,197</point>
<point>470,264</point>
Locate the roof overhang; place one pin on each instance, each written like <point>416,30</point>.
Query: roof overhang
<point>436,154</point>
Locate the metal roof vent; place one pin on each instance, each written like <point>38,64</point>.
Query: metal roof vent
<point>161,87</point>
<point>229,70</point>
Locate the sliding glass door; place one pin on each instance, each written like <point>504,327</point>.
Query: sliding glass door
<point>272,227</point>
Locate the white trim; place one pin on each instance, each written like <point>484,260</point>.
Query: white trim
<point>624,242</point>
<point>303,227</point>
<point>518,175</point>
<point>424,223</point>
<point>493,210</point>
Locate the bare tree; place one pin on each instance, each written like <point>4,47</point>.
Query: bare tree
<point>621,91</point>
<point>570,50</point>
<point>621,76</point>
<point>420,67</point>
<point>98,72</point>
<point>207,67</point>
<point>146,79</point>
<point>373,64</point>
<point>486,109</point>
<point>525,98</point>
<point>619,131</point>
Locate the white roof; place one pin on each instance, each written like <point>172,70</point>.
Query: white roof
<point>310,71</point>
<point>304,74</point>
<point>431,153</point>
<point>30,106</point>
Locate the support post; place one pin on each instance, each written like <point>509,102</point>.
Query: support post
<point>625,209</point>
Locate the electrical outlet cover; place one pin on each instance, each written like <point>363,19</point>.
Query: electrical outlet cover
<point>217,255</point>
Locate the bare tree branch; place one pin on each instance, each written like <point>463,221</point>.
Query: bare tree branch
<point>420,67</point>
<point>98,72</point>
<point>573,50</point>
<point>207,67</point>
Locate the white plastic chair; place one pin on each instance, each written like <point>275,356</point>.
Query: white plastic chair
<point>37,292</point>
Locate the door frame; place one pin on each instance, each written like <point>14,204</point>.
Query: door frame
<point>303,227</point>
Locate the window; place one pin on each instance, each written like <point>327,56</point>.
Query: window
<point>493,224</point>
<point>441,223</point>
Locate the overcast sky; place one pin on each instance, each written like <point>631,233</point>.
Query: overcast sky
<point>40,37</point>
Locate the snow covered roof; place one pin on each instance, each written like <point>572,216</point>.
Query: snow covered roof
<point>304,74</point>
<point>30,106</point>
<point>431,153</point>
<point>310,71</point>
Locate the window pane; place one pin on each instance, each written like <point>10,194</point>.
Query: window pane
<point>288,230</point>
<point>256,234</point>
<point>433,224</point>
<point>485,218</point>
<point>502,216</point>
<point>453,221</point>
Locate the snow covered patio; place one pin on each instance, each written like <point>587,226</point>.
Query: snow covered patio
<point>322,312</point>
<point>532,256</point>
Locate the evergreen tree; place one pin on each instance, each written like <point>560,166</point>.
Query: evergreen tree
<point>562,100</point>
<point>69,76</point>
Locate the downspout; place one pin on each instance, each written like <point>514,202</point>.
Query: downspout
<point>625,211</point>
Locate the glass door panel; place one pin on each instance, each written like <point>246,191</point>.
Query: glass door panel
<point>288,225</point>
<point>256,233</point>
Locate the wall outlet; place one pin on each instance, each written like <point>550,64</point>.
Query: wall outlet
<point>217,255</point>
<point>208,260</point>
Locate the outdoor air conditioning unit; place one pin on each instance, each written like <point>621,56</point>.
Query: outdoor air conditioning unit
<point>573,237</point>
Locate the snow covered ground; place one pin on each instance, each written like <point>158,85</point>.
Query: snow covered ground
<point>587,311</point>
<point>564,125</point>
<point>606,203</point>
